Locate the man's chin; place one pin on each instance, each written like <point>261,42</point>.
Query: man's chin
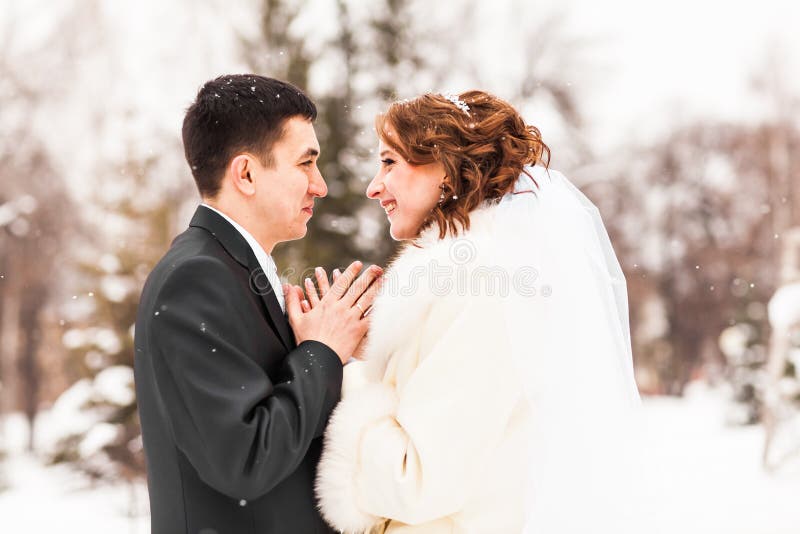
<point>294,236</point>
<point>300,233</point>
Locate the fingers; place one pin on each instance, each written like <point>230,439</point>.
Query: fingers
<point>293,308</point>
<point>311,291</point>
<point>301,296</point>
<point>343,281</point>
<point>367,299</point>
<point>336,274</point>
<point>322,281</point>
<point>361,285</point>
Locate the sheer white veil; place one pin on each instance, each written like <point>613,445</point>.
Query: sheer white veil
<point>567,318</point>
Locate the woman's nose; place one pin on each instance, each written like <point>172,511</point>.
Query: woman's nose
<point>375,186</point>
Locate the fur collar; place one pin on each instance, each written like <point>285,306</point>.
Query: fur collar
<point>409,290</point>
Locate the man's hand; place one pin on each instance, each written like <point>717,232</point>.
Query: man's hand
<point>337,317</point>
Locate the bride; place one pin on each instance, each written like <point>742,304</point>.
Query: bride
<point>495,393</point>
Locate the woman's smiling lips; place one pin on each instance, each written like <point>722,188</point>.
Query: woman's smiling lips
<point>389,206</point>
<point>309,209</point>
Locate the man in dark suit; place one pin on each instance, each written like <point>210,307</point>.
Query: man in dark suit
<point>233,404</point>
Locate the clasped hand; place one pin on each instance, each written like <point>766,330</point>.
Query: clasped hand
<point>337,315</point>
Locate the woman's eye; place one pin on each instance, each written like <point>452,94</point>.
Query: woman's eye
<point>387,161</point>
<point>307,163</point>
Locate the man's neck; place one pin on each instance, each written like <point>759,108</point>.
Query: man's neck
<point>242,221</point>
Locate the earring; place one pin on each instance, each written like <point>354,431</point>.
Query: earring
<point>441,196</point>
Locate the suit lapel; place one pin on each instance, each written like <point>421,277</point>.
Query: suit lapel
<point>260,284</point>
<point>236,245</point>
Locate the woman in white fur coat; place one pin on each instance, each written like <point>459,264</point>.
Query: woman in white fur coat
<point>438,425</point>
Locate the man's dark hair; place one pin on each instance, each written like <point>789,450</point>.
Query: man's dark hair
<point>238,113</point>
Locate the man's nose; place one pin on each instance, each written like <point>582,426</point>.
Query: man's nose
<point>317,186</point>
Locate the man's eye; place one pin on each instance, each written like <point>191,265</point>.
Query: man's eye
<point>307,163</point>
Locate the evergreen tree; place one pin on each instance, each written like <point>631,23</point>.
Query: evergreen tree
<point>104,437</point>
<point>338,232</point>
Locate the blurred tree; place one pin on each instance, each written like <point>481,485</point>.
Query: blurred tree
<point>545,69</point>
<point>277,51</point>
<point>781,410</point>
<point>553,61</point>
<point>49,247</point>
<point>781,397</point>
<point>697,228</point>
<point>35,215</point>
<point>35,224</point>
<point>113,266</point>
<point>393,55</point>
<point>329,242</point>
<point>337,232</point>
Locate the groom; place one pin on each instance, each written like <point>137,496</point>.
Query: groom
<point>232,403</point>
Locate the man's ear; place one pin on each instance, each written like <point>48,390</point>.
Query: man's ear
<point>239,173</point>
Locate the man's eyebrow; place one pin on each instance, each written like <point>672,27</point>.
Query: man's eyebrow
<point>309,153</point>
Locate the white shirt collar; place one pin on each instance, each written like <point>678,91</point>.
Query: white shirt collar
<point>264,260</point>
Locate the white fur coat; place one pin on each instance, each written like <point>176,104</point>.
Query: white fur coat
<point>431,430</point>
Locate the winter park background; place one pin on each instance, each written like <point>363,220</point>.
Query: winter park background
<point>680,120</point>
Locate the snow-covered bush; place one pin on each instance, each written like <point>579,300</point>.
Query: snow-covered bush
<point>88,423</point>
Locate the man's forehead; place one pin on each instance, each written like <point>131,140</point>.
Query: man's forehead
<point>299,136</point>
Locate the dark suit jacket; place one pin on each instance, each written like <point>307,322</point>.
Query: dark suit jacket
<point>232,410</point>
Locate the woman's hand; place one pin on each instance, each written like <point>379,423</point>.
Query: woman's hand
<point>310,298</point>
<point>324,287</point>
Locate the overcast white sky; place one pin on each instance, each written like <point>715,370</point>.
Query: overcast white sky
<point>677,59</point>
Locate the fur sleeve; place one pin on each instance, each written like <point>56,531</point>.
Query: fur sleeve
<point>337,473</point>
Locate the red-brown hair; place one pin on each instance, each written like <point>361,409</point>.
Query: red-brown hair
<point>483,150</point>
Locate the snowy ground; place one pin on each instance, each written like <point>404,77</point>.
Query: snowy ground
<point>712,472</point>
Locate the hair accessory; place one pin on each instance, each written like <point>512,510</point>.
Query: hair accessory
<point>457,102</point>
